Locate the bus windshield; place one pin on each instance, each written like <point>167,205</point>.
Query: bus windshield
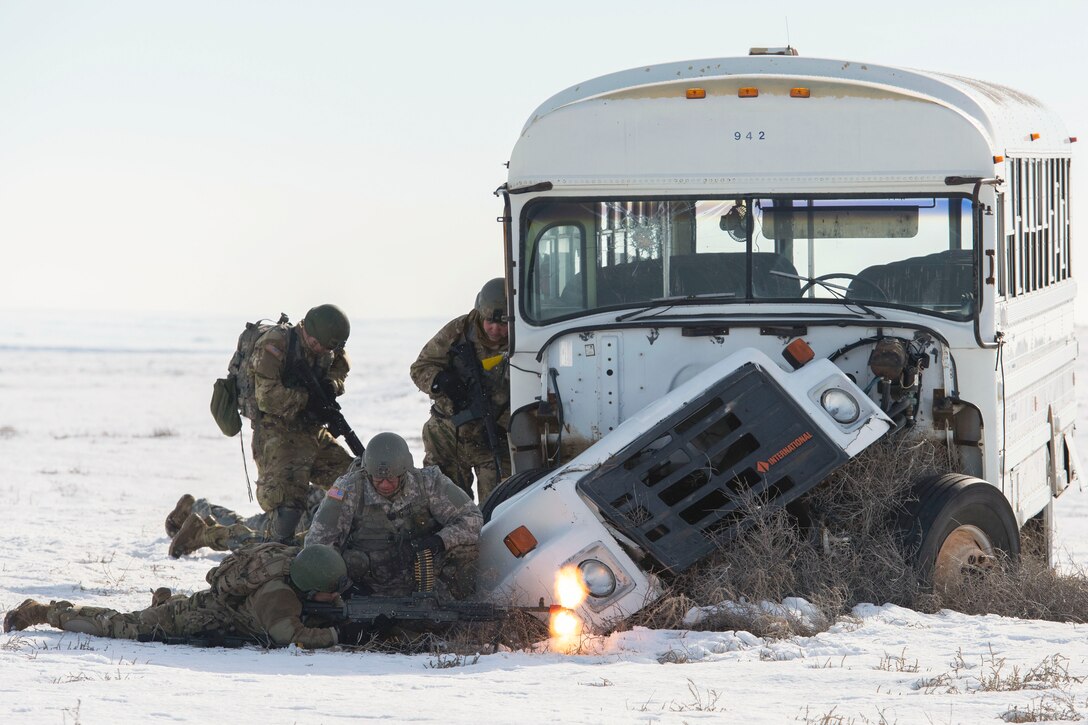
<point>589,255</point>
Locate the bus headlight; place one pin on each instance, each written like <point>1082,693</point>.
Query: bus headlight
<point>840,405</point>
<point>599,579</point>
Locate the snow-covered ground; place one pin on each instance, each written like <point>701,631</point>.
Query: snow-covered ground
<point>104,423</point>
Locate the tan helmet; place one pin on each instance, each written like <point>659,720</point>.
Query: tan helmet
<point>491,302</point>
<point>328,325</point>
<point>387,456</point>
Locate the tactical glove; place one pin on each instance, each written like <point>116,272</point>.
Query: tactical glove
<point>433,542</point>
<point>450,385</point>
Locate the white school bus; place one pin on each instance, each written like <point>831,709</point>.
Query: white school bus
<point>727,277</point>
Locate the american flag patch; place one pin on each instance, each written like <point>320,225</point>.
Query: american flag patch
<point>337,493</point>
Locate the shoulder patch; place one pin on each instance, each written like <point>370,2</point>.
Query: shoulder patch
<point>273,350</point>
<point>336,493</point>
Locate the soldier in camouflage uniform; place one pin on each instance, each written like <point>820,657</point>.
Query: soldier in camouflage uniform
<point>400,529</point>
<point>290,446</point>
<point>194,524</point>
<point>258,598</point>
<point>459,451</point>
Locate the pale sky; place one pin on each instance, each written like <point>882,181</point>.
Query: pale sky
<point>256,156</point>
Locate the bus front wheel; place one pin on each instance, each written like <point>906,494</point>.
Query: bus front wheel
<point>958,527</point>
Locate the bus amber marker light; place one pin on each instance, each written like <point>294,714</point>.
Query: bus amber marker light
<point>520,541</point>
<point>748,92</point>
<point>1034,137</point>
<point>799,93</point>
<point>696,93</point>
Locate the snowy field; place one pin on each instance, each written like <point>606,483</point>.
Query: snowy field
<point>104,423</point>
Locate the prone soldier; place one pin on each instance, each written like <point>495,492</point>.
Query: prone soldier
<point>256,594</point>
<point>198,523</point>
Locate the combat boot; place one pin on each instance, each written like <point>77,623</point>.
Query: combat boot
<point>191,537</point>
<point>25,615</point>
<point>160,596</point>
<point>177,517</point>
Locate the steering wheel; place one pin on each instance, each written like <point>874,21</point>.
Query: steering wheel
<point>844,275</point>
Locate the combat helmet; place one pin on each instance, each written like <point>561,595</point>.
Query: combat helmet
<point>387,456</point>
<point>319,568</point>
<point>491,302</point>
<point>328,325</point>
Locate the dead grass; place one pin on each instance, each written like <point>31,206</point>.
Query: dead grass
<point>841,545</point>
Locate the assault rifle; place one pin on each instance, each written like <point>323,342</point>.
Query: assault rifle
<point>327,409</point>
<point>477,400</point>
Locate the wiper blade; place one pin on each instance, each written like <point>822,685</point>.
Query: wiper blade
<point>659,302</point>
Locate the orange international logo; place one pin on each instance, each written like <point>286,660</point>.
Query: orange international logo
<point>764,466</point>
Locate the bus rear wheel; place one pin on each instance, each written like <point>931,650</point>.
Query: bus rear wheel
<point>958,527</point>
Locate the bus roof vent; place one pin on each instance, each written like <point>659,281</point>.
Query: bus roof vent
<point>788,50</point>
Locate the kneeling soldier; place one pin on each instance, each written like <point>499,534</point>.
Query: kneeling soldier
<point>400,528</point>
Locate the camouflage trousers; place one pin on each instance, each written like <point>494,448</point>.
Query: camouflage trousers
<point>288,460</point>
<point>178,617</point>
<point>460,452</point>
<point>230,530</point>
<point>387,573</point>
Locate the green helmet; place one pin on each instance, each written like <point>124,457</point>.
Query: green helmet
<point>387,456</point>
<point>328,325</point>
<point>319,568</point>
<point>491,302</point>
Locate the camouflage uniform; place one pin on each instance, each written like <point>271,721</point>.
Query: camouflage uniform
<point>292,449</point>
<point>271,613</point>
<point>230,530</point>
<point>460,451</point>
<point>375,534</point>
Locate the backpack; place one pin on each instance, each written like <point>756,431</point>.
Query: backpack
<point>236,394</point>
<point>250,567</point>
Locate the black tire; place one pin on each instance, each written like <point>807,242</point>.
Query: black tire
<point>511,486</point>
<point>958,524</point>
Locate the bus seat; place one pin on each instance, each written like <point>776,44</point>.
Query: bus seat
<point>936,281</point>
<point>706,274</point>
<point>725,273</point>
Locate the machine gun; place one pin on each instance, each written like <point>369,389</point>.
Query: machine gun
<point>476,404</point>
<point>327,410</point>
<point>365,614</point>
<point>206,639</point>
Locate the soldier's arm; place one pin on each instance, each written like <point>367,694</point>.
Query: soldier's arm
<point>273,397</point>
<point>279,613</point>
<point>332,522</point>
<point>338,371</point>
<point>434,357</point>
<point>451,507</point>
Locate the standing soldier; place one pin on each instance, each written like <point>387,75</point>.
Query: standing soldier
<point>400,528</point>
<point>255,594</point>
<point>467,428</point>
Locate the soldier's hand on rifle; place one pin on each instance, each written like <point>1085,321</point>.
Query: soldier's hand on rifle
<point>331,389</point>
<point>450,385</point>
<point>316,408</point>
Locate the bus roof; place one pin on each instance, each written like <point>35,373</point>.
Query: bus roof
<point>1007,117</point>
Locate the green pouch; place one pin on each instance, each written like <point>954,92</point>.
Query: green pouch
<point>225,406</point>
